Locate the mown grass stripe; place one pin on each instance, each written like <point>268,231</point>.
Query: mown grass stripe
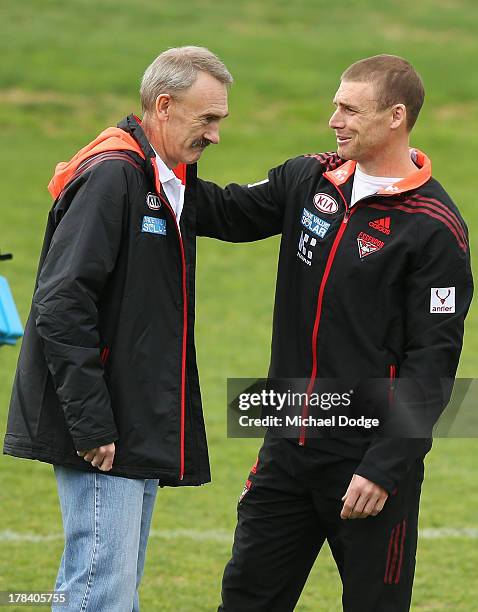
<point>438,533</point>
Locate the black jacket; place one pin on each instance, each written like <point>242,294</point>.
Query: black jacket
<point>356,288</point>
<point>108,353</point>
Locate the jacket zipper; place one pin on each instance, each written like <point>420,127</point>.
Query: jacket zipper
<point>105,354</point>
<point>185,319</point>
<point>392,376</point>
<point>328,266</point>
<point>315,333</point>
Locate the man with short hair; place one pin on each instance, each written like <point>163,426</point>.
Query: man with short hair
<point>107,388</point>
<point>373,282</point>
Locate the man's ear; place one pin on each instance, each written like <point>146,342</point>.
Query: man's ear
<point>399,116</point>
<point>163,103</point>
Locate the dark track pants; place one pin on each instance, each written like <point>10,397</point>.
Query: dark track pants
<point>291,504</point>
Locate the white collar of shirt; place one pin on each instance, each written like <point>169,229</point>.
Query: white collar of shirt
<point>173,187</point>
<point>365,185</point>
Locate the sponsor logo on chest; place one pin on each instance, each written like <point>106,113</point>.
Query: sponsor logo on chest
<point>382,225</point>
<point>306,246</point>
<point>153,225</point>
<point>315,224</point>
<point>325,203</point>
<point>153,201</point>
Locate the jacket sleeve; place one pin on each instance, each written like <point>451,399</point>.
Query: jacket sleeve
<point>243,213</point>
<point>81,256</point>
<point>432,349</point>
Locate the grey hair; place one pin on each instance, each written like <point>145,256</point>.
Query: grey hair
<point>176,69</point>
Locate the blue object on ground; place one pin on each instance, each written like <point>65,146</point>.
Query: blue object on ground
<point>10,325</point>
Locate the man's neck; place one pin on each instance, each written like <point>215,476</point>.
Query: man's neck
<point>151,133</point>
<point>395,162</point>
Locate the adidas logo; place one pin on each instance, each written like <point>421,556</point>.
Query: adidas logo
<point>382,225</point>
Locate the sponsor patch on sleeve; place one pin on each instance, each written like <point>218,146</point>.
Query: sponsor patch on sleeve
<point>442,299</point>
<point>314,224</point>
<point>153,225</point>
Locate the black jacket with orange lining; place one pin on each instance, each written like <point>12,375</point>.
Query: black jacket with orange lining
<point>355,289</point>
<point>108,353</point>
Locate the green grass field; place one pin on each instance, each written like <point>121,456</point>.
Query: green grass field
<point>69,69</point>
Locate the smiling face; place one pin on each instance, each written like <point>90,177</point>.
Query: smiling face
<point>363,131</point>
<point>190,121</point>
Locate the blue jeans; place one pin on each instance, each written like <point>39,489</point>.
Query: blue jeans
<point>106,520</point>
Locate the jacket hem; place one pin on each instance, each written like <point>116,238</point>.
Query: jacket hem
<point>167,478</point>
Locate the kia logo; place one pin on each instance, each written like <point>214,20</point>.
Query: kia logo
<point>325,203</point>
<point>153,201</point>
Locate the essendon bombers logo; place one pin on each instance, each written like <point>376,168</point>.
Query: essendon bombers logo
<point>368,244</point>
<point>382,225</point>
<point>153,201</point>
<point>325,203</point>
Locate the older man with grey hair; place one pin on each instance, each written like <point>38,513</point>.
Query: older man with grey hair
<point>107,388</point>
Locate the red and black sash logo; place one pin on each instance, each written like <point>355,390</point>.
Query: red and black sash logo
<point>368,244</point>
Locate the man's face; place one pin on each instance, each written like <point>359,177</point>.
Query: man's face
<point>362,131</point>
<point>193,120</point>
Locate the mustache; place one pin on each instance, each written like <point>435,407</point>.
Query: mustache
<point>202,143</point>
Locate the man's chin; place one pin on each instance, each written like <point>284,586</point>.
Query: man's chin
<point>192,156</point>
<point>344,153</point>
<point>196,154</point>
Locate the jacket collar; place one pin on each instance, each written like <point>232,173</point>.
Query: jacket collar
<point>127,136</point>
<point>418,178</point>
<point>111,139</point>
